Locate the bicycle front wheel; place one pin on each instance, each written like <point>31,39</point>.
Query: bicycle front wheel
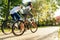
<point>18,28</point>
<point>6,27</point>
<point>33,27</point>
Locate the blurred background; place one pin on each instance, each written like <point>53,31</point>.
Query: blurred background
<point>47,11</point>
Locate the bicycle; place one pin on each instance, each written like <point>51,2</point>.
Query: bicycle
<point>26,24</point>
<point>6,27</point>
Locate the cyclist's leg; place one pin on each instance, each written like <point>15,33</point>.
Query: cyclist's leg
<point>17,16</point>
<point>25,16</point>
<point>13,17</point>
<point>22,26</point>
<point>32,20</point>
<point>25,21</point>
<point>31,16</point>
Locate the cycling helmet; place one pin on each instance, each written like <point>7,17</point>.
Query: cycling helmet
<point>29,3</point>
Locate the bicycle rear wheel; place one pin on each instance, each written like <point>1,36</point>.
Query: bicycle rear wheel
<point>33,27</point>
<point>6,27</point>
<point>18,28</point>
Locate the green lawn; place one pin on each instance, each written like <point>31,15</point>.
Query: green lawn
<point>38,27</point>
<point>6,30</point>
<point>59,34</point>
<point>0,30</point>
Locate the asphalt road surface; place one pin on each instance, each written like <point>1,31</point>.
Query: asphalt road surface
<point>48,33</point>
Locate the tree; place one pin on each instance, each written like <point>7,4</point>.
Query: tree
<point>7,6</point>
<point>46,9</point>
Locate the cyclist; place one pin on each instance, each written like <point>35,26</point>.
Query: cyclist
<point>27,10</point>
<point>16,16</point>
<point>14,13</point>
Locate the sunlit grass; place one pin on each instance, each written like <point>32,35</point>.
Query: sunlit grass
<point>0,30</point>
<point>59,34</point>
<point>7,30</point>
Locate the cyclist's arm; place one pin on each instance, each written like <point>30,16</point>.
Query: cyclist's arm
<point>33,9</point>
<point>21,11</point>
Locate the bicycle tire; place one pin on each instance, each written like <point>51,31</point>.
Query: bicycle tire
<point>17,29</point>
<point>6,30</point>
<point>32,28</point>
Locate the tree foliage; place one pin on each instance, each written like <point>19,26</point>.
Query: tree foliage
<point>5,6</point>
<point>44,9</point>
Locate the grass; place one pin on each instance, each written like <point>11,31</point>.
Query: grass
<point>42,26</point>
<point>10,29</point>
<point>6,30</point>
<point>59,34</point>
<point>0,30</point>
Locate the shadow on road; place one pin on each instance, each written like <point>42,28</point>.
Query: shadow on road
<point>11,36</point>
<point>47,35</point>
<point>7,37</point>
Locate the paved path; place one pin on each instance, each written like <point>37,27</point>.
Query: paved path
<point>48,33</point>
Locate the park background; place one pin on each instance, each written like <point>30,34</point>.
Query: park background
<point>46,14</point>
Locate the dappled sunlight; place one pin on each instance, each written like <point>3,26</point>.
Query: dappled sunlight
<point>45,13</point>
<point>24,1</point>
